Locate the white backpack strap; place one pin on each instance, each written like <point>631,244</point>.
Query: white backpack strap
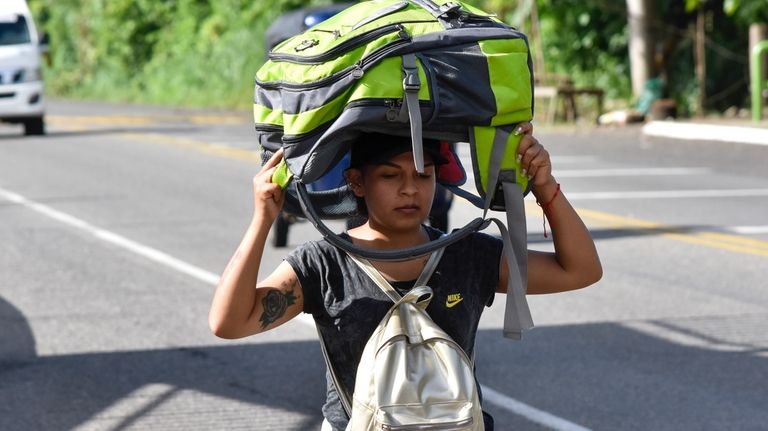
<point>375,275</point>
<point>344,396</point>
<point>367,267</point>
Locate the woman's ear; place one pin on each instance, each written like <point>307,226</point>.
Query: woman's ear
<point>355,181</point>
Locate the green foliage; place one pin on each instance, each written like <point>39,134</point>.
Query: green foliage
<point>191,52</point>
<point>585,42</point>
<point>206,52</point>
<point>726,55</point>
<point>744,11</point>
<point>588,41</point>
<point>747,11</point>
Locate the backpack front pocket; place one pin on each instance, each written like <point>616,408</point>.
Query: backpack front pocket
<point>409,417</point>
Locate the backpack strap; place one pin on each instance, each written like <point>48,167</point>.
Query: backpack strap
<point>385,286</point>
<point>376,254</point>
<point>364,264</point>
<point>441,12</point>
<point>341,391</point>
<point>517,314</point>
<point>411,86</point>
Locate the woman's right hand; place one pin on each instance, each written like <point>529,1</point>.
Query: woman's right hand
<point>268,197</point>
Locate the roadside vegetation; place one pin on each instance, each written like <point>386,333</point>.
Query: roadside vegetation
<point>184,52</point>
<point>206,52</point>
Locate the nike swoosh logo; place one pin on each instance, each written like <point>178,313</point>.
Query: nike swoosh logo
<point>451,304</point>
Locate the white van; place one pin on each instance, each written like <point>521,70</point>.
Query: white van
<point>21,81</point>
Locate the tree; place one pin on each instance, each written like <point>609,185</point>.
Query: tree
<point>640,14</point>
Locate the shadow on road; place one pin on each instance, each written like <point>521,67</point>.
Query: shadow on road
<point>601,234</point>
<point>601,376</point>
<point>62,392</point>
<point>610,377</point>
<point>619,233</point>
<point>65,391</point>
<point>17,343</point>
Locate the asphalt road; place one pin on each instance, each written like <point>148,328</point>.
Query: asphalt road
<point>116,224</point>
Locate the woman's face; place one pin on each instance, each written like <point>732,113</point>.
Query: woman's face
<point>396,195</point>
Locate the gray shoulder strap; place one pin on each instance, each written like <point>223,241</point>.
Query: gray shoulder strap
<point>517,315</point>
<point>411,86</point>
<point>375,275</point>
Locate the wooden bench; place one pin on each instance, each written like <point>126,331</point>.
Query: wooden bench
<point>565,91</point>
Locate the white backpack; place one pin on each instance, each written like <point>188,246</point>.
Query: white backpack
<point>412,375</point>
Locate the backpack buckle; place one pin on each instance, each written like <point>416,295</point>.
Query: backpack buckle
<point>449,8</point>
<point>411,82</point>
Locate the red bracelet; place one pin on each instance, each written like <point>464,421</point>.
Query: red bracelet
<point>547,207</point>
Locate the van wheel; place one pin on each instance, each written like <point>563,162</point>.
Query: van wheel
<point>280,231</point>
<point>34,126</point>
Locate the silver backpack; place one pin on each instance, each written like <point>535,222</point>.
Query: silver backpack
<point>412,375</point>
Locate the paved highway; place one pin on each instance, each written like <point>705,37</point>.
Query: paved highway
<point>116,224</point>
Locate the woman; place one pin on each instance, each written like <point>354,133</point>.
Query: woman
<point>320,279</point>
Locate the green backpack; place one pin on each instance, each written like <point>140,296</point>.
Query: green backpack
<point>421,68</point>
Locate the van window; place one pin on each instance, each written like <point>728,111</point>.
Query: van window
<point>13,30</point>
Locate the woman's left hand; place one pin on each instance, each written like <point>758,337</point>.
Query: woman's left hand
<point>534,159</point>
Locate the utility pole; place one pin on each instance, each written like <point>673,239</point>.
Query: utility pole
<point>641,43</point>
<point>757,33</point>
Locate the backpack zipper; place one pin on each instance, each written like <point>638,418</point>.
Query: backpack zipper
<point>393,108</point>
<point>336,33</point>
<point>356,70</point>
<point>265,127</point>
<point>392,104</point>
<point>444,426</point>
<point>380,14</point>
<point>339,49</point>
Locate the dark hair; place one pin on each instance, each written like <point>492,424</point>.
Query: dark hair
<point>378,148</point>
<point>372,149</point>
<point>361,209</point>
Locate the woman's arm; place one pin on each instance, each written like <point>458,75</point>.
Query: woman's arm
<point>575,263</point>
<point>241,306</point>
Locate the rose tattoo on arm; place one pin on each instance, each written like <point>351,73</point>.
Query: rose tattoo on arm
<point>275,303</point>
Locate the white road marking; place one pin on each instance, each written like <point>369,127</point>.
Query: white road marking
<point>562,160</point>
<point>629,172</point>
<point>747,230</point>
<point>114,239</point>
<point>531,413</point>
<point>668,194</point>
<point>707,132</point>
<point>501,400</point>
<point>681,337</point>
